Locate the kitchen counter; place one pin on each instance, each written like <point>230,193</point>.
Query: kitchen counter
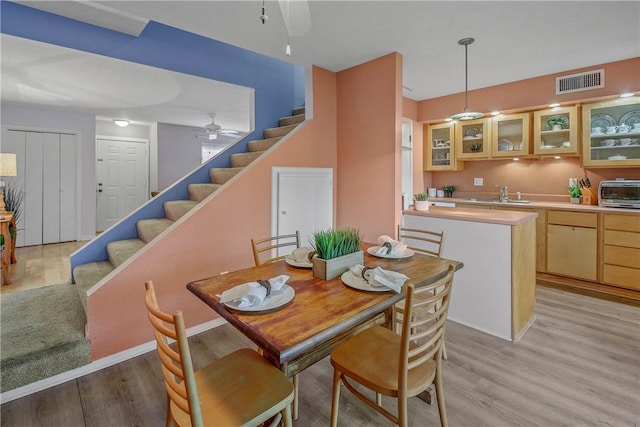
<point>476,215</point>
<point>536,205</point>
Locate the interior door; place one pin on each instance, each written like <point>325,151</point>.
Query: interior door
<point>302,200</point>
<point>122,173</point>
<point>407,162</point>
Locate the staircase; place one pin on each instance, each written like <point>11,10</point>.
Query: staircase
<point>87,275</point>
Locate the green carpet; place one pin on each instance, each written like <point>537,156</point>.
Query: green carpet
<point>41,334</point>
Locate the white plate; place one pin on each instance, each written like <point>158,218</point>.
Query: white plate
<point>355,282</point>
<point>273,301</point>
<point>630,118</point>
<point>407,253</point>
<point>471,132</point>
<point>301,264</point>
<point>505,144</point>
<point>602,121</point>
<point>617,157</point>
<point>548,146</point>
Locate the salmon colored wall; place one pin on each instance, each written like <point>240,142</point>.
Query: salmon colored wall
<point>544,179</point>
<point>215,238</point>
<point>421,180</point>
<point>369,143</point>
<point>620,76</point>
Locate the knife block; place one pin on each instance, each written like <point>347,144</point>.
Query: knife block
<point>589,197</point>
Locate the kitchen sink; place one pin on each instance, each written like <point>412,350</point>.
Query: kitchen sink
<point>491,200</point>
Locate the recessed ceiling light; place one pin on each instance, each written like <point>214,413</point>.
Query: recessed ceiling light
<point>555,104</point>
<point>448,119</point>
<point>515,159</point>
<point>495,113</point>
<point>626,94</point>
<point>121,122</point>
<point>557,157</point>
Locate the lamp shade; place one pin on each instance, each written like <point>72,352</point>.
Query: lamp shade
<point>8,166</point>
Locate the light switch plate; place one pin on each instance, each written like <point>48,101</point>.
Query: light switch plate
<point>478,182</point>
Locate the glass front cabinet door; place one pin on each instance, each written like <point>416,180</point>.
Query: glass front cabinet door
<point>510,135</point>
<point>611,133</point>
<point>439,153</point>
<point>472,138</point>
<point>555,131</point>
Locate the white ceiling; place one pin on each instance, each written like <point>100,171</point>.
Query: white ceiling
<point>514,39</point>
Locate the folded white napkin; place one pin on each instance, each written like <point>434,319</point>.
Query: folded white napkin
<point>301,254</point>
<point>378,277</point>
<point>388,246</point>
<point>253,293</point>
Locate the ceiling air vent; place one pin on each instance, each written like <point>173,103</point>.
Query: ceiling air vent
<point>579,82</point>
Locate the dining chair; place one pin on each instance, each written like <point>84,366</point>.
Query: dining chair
<point>397,365</point>
<point>240,389</point>
<point>426,242</point>
<point>273,243</point>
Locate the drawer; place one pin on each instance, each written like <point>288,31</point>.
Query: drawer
<point>622,276</point>
<point>622,238</point>
<point>577,219</point>
<point>618,255</point>
<point>622,222</point>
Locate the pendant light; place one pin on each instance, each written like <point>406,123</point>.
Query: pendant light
<point>466,114</point>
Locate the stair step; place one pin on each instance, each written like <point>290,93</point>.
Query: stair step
<point>262,144</point>
<point>199,192</point>
<point>299,110</point>
<point>121,250</point>
<point>87,275</point>
<point>222,175</point>
<point>240,160</point>
<point>279,131</point>
<point>291,120</point>
<point>175,209</point>
<point>149,229</point>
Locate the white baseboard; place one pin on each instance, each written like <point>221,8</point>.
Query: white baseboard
<point>97,365</point>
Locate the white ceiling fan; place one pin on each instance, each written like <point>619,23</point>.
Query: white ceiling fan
<point>212,130</point>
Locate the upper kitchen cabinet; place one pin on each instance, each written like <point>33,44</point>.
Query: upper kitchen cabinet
<point>611,133</point>
<point>471,139</point>
<point>555,131</point>
<point>510,135</point>
<point>439,154</point>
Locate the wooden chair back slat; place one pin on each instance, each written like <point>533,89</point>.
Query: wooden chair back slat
<point>269,244</point>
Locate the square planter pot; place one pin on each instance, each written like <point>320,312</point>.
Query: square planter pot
<point>330,269</point>
<point>575,200</point>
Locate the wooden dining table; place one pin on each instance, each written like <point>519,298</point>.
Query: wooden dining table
<point>322,314</point>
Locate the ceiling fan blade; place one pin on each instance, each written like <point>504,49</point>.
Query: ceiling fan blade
<point>297,17</point>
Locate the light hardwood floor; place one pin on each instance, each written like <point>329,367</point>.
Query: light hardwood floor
<point>42,265</point>
<point>578,365</point>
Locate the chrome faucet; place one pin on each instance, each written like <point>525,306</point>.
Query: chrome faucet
<point>504,196</point>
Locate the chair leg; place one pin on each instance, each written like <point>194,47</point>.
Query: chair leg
<point>295,396</point>
<point>288,422</point>
<point>403,420</point>
<point>169,421</point>
<point>442,410</point>
<point>444,351</point>
<point>335,398</point>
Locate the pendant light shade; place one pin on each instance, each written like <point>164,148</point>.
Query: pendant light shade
<point>466,114</point>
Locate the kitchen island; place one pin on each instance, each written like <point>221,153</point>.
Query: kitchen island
<point>495,292</point>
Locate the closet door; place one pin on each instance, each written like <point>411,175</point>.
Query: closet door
<point>33,188</point>
<point>68,172</point>
<point>51,188</point>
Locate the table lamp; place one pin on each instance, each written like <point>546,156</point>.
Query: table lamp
<point>7,168</point>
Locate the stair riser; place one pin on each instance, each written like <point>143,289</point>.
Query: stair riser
<point>298,111</point>
<point>241,160</point>
<point>121,250</point>
<point>149,229</point>
<point>293,120</point>
<point>176,209</point>
<point>281,131</point>
<point>222,175</point>
<point>262,144</point>
<point>199,192</point>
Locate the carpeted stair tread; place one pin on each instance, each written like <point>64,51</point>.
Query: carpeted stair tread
<point>262,144</point>
<point>199,192</point>
<point>291,120</point>
<point>279,131</point>
<point>121,250</point>
<point>222,175</point>
<point>240,160</point>
<point>175,209</point>
<point>87,275</point>
<point>149,229</point>
<point>42,334</point>
<point>299,110</point>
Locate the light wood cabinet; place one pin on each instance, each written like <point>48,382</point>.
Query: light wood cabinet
<point>439,152</point>
<point>472,139</point>
<point>572,244</point>
<point>510,135</point>
<point>621,251</point>
<point>609,138</point>
<point>555,131</point>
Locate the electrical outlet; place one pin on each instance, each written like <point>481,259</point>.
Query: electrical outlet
<point>478,182</point>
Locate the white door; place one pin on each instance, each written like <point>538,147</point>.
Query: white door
<point>302,199</point>
<point>122,174</point>
<point>407,159</point>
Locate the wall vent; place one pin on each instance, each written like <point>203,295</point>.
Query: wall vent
<point>579,82</point>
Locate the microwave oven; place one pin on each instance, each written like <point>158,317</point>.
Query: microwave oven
<point>619,193</point>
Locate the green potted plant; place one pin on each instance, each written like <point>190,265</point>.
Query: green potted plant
<point>556,123</point>
<point>336,251</point>
<point>421,202</point>
<point>575,193</point>
<point>448,190</point>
